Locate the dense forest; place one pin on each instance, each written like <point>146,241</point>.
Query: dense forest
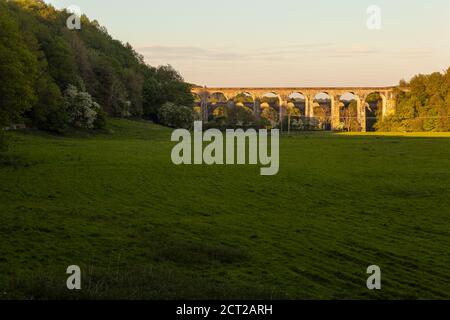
<point>54,78</point>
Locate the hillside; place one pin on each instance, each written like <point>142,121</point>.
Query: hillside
<point>40,58</point>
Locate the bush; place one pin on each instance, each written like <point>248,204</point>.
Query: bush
<point>83,111</point>
<point>175,116</point>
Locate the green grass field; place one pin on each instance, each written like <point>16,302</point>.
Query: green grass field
<point>140,227</point>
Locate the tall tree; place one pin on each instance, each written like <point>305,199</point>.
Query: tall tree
<point>18,67</point>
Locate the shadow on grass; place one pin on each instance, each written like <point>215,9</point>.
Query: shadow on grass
<point>196,254</point>
<point>133,284</point>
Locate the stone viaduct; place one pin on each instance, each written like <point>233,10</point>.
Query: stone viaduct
<point>309,93</point>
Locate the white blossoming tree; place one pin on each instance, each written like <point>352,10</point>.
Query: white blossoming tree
<point>81,108</point>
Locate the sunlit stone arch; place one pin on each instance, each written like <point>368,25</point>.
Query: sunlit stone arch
<point>273,95</point>
<point>219,93</point>
<point>384,100</point>
<point>296,101</point>
<point>245,93</point>
<point>373,113</point>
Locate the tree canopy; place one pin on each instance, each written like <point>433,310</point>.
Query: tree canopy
<point>40,58</point>
<point>424,107</point>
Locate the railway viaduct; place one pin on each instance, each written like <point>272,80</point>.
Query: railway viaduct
<point>283,95</point>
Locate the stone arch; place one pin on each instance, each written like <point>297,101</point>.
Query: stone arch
<point>300,101</point>
<point>272,98</point>
<point>246,93</point>
<point>348,96</point>
<point>246,98</point>
<point>375,107</point>
<point>322,105</point>
<point>349,111</point>
<point>216,99</point>
<point>197,97</point>
<point>218,95</point>
<point>270,107</point>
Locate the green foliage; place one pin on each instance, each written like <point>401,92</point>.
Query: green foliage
<point>236,115</point>
<point>426,107</point>
<point>244,115</point>
<point>40,58</point>
<point>270,116</point>
<point>49,112</point>
<point>161,85</point>
<point>175,116</point>
<point>18,68</point>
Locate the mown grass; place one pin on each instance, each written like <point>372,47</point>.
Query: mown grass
<point>141,228</point>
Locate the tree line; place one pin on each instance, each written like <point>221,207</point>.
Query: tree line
<point>54,78</point>
<point>425,106</point>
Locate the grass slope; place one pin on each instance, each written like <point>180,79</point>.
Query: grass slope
<point>140,227</point>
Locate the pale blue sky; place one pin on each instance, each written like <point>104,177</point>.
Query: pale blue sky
<point>283,42</point>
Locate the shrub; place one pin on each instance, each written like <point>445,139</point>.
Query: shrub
<point>175,116</point>
<point>83,111</point>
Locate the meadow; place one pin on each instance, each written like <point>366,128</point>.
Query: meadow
<point>142,228</point>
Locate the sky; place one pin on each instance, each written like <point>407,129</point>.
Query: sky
<point>268,43</point>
